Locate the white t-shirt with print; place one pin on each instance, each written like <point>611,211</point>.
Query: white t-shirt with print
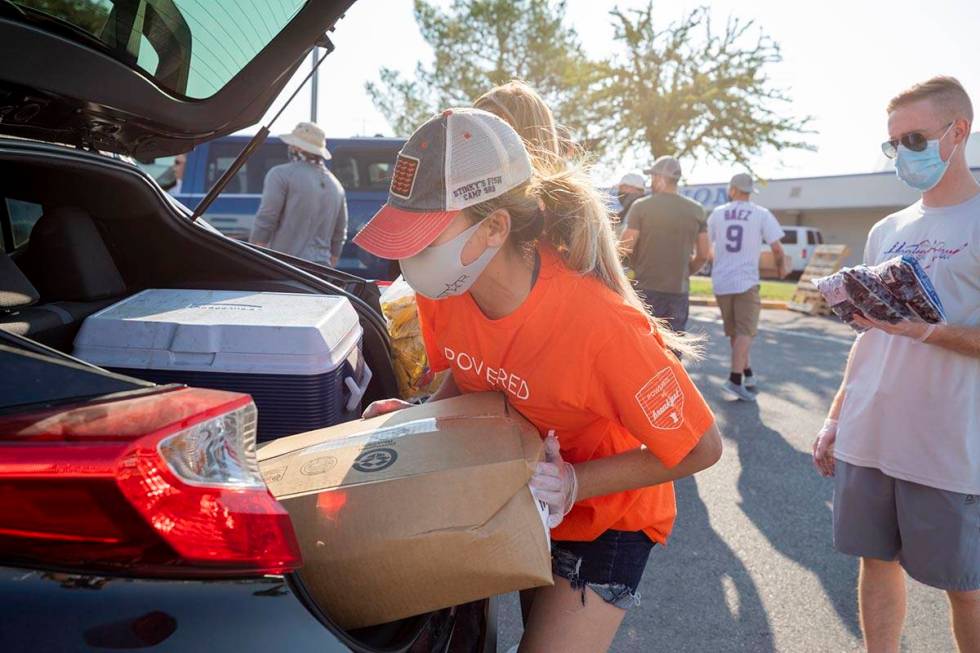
<point>912,410</point>
<point>738,230</point>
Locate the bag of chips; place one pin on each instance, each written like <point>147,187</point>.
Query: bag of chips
<point>833,290</point>
<point>871,296</point>
<point>908,282</point>
<point>415,377</point>
<point>895,290</point>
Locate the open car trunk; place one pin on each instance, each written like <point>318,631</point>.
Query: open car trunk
<point>150,78</point>
<point>107,231</point>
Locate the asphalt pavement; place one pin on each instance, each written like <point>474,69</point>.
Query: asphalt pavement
<point>750,565</point>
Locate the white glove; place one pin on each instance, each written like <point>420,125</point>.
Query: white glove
<point>554,482</point>
<point>823,448</point>
<point>384,406</point>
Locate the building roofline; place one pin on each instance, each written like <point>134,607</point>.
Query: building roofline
<point>975,169</point>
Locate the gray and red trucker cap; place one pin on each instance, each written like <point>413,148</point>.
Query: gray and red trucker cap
<point>459,158</point>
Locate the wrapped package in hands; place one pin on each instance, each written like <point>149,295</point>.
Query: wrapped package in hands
<point>907,281</point>
<point>415,377</point>
<point>895,290</point>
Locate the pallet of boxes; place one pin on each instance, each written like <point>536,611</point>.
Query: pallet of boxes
<point>826,260</point>
<point>417,510</point>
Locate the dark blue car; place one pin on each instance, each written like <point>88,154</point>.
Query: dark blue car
<point>363,166</point>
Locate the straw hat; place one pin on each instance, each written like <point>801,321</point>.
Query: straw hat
<point>309,137</point>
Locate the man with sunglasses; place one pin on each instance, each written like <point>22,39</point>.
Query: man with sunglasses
<point>902,437</point>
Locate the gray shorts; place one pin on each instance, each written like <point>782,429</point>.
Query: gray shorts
<point>934,534</point>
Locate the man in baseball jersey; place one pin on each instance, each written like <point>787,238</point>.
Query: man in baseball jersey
<point>737,231</point>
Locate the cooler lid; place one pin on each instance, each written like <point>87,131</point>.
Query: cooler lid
<point>222,331</point>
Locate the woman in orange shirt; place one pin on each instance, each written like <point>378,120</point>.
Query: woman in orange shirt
<point>533,302</point>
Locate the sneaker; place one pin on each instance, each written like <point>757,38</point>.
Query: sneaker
<point>740,391</point>
<point>749,383</point>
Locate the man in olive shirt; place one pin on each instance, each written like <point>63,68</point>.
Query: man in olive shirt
<point>668,238</point>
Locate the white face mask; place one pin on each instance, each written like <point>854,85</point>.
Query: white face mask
<point>438,272</point>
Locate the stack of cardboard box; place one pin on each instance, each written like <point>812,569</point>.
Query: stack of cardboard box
<point>414,511</point>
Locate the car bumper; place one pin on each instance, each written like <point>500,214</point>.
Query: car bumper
<point>51,611</point>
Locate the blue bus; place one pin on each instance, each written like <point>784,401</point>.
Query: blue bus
<point>363,166</point>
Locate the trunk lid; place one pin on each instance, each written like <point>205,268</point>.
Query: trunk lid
<point>149,78</point>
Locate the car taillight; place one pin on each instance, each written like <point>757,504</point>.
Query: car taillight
<point>804,252</point>
<point>183,496</point>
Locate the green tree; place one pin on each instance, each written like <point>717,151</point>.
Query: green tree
<point>690,90</point>
<point>479,44</point>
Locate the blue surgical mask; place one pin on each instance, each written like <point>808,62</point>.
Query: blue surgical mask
<point>922,170</point>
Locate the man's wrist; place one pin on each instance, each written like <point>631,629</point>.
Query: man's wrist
<point>931,331</point>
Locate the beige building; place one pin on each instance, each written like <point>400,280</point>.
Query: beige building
<point>843,207</point>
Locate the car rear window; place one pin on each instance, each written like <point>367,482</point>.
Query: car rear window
<point>251,176</point>
<point>364,170</point>
<point>357,170</point>
<point>379,174</point>
<point>790,237</point>
<point>811,238</point>
<point>190,47</point>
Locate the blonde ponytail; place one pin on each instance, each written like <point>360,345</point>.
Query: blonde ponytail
<point>579,225</point>
<point>521,107</point>
<point>576,221</point>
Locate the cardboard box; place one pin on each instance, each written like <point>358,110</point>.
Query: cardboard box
<point>767,266</point>
<point>414,511</point>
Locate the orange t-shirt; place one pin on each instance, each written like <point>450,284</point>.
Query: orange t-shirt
<point>574,357</point>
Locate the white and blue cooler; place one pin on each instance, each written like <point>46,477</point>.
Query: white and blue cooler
<point>298,355</point>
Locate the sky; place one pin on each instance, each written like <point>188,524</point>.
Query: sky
<point>842,61</point>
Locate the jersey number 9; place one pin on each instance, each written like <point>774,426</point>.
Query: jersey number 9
<point>734,237</point>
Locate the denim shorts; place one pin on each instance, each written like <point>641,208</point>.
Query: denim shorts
<point>611,565</point>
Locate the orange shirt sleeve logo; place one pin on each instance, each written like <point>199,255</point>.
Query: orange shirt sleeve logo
<point>662,400</point>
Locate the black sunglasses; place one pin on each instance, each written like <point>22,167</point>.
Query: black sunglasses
<point>915,141</point>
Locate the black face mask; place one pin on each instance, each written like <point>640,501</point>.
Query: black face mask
<point>625,199</point>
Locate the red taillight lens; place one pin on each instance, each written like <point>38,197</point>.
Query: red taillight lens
<point>185,498</point>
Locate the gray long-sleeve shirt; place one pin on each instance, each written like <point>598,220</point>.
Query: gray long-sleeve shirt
<point>303,212</point>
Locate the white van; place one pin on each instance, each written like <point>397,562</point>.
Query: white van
<point>799,243</point>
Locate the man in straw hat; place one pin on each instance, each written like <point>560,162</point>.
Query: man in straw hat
<point>303,210</point>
